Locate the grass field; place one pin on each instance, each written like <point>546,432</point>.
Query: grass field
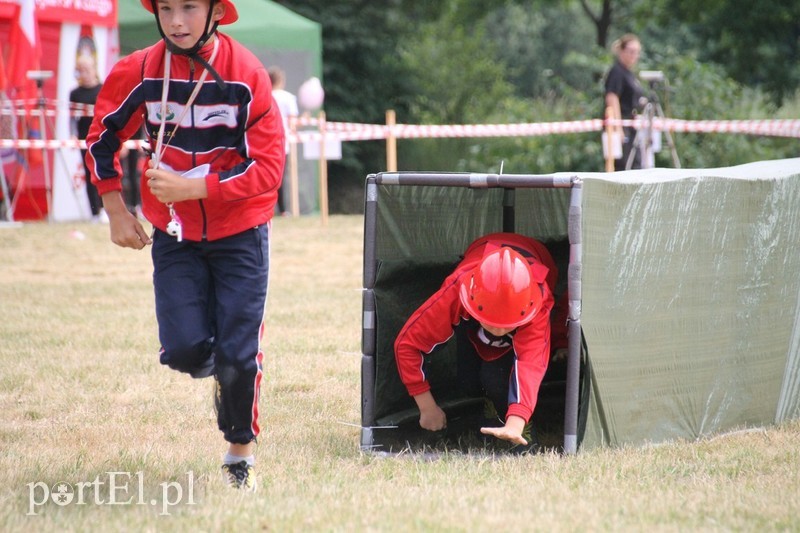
<point>84,404</point>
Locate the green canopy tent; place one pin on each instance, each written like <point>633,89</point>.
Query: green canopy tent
<point>276,35</point>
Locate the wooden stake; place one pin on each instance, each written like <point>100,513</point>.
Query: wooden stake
<point>391,142</point>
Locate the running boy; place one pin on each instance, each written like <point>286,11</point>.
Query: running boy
<point>211,186</point>
<point>497,302</point>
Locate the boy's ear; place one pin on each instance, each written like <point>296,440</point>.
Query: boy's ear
<point>219,11</point>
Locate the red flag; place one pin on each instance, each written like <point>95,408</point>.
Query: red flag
<point>3,79</point>
<point>26,50</point>
<point>26,53</point>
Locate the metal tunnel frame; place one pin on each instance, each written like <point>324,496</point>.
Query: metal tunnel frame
<point>509,182</point>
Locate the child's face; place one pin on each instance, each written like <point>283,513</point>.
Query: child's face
<point>87,73</point>
<point>497,332</point>
<point>184,21</point>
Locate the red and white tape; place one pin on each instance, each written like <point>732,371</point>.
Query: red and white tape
<point>362,132</point>
<point>34,107</point>
<point>311,129</point>
<point>56,144</point>
<point>763,127</point>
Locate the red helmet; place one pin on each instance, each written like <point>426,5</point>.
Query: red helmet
<point>230,16</point>
<point>501,292</point>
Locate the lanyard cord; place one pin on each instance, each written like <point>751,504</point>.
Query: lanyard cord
<point>160,147</point>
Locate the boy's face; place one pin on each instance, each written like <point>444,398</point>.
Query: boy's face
<point>184,21</point>
<point>497,332</point>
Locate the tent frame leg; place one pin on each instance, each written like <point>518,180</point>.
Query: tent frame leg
<point>572,400</point>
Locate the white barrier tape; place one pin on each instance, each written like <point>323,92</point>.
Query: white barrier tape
<point>771,127</point>
<point>334,130</point>
<point>344,131</point>
<point>33,108</point>
<point>404,131</point>
<point>306,120</point>
<point>367,132</point>
<point>352,131</point>
<point>54,144</point>
<point>28,113</point>
<point>777,128</point>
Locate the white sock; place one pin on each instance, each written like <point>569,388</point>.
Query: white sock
<point>231,459</point>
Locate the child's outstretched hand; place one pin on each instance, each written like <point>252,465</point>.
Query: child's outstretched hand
<point>511,432</point>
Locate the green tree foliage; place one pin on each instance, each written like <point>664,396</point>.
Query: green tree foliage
<point>702,91</point>
<point>512,61</point>
<point>757,43</point>
<point>458,79</point>
<point>540,45</point>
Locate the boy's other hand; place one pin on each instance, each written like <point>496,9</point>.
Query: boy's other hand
<point>126,230</point>
<point>511,432</point>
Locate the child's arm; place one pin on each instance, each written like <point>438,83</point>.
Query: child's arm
<point>260,148</point>
<point>532,348</point>
<point>429,326</point>
<point>117,117</point>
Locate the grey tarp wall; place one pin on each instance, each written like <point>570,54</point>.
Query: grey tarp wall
<point>690,292</point>
<point>691,288</point>
<point>276,35</point>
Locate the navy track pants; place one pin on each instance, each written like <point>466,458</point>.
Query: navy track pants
<point>210,300</point>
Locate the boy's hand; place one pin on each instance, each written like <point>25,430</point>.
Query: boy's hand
<point>512,431</point>
<point>126,230</point>
<point>431,416</point>
<point>170,187</point>
<point>433,419</point>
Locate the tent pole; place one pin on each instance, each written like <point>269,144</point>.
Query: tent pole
<point>574,320</point>
<point>368,339</point>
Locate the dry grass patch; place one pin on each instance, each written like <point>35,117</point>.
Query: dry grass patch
<point>82,394</point>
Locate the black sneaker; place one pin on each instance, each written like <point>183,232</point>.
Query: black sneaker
<point>240,476</point>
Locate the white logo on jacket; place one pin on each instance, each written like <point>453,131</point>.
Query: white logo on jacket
<point>205,116</point>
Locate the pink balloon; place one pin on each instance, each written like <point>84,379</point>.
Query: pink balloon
<point>311,94</point>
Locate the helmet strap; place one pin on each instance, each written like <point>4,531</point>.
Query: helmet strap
<point>192,52</point>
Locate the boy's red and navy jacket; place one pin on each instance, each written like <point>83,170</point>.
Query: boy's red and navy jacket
<point>236,129</point>
<point>434,321</point>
